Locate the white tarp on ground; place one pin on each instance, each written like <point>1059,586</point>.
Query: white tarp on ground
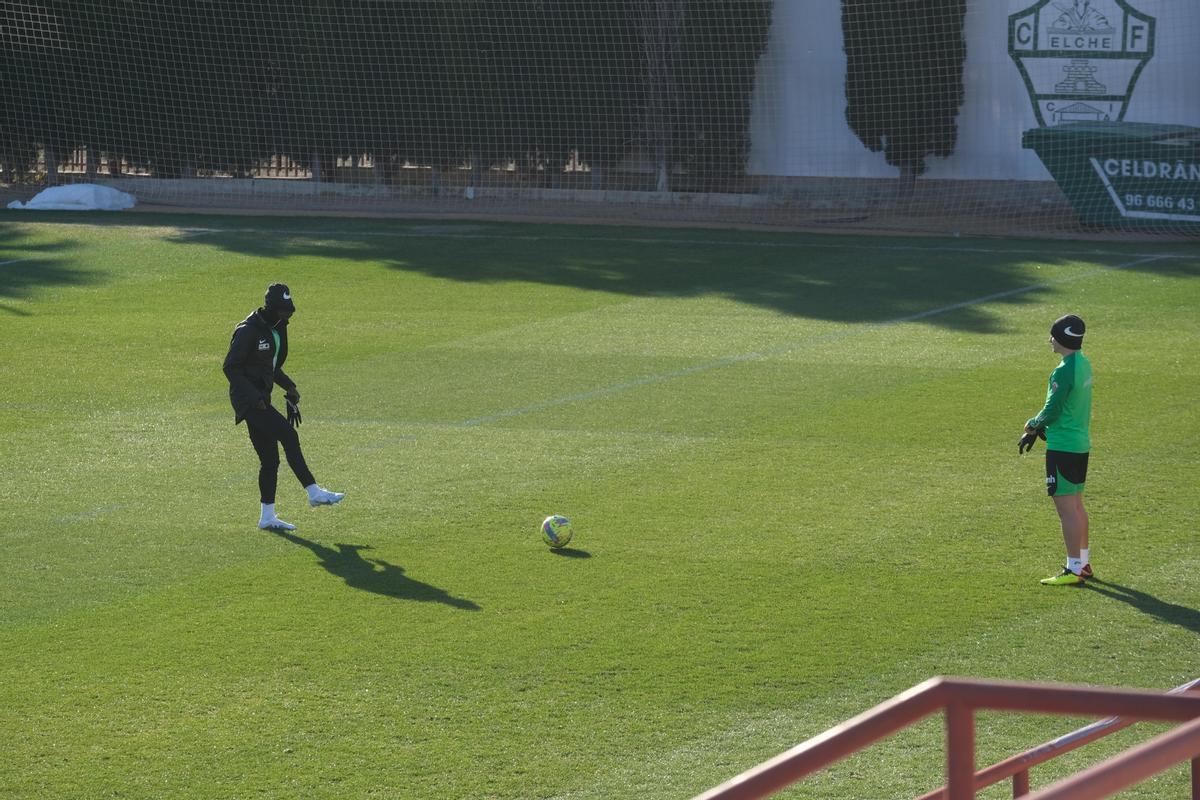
<point>78,197</point>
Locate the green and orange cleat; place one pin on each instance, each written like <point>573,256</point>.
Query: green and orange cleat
<point>1064,578</point>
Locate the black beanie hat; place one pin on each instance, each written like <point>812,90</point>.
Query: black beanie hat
<point>1068,331</point>
<point>279,298</point>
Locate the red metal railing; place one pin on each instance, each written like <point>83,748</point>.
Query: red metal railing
<point>960,698</point>
<point>1132,766</point>
<point>1018,766</point>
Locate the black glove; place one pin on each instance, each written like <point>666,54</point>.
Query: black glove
<point>1029,438</point>
<point>293,416</point>
<point>293,395</point>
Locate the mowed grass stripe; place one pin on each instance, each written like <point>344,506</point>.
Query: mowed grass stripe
<point>763,548</point>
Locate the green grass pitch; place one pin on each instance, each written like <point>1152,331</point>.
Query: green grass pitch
<point>790,461</point>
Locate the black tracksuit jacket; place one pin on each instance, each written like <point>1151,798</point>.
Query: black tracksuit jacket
<point>251,365</point>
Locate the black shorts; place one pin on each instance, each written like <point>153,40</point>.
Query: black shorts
<point>1065,472</point>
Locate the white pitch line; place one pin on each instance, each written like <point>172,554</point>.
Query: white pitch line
<point>1022,290</point>
<point>89,514</point>
<point>15,261</point>
<point>756,356</point>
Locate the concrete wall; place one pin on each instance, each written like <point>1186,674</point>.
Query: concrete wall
<point>798,124</point>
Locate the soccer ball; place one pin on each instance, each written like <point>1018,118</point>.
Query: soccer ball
<point>556,530</point>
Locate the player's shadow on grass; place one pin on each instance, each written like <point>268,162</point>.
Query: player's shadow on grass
<point>1184,617</point>
<point>374,574</point>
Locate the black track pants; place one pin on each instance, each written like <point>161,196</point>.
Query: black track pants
<point>268,429</point>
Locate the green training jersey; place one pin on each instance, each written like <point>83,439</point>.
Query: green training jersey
<point>1068,406</point>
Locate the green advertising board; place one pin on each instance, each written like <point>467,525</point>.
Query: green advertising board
<point>1124,174</point>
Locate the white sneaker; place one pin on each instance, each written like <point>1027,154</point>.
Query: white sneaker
<point>323,497</point>
<point>275,524</point>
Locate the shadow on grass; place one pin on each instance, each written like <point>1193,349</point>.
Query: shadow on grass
<point>839,278</point>
<point>1184,617</point>
<point>374,574</point>
<point>570,552</point>
<point>847,279</point>
<point>26,268</point>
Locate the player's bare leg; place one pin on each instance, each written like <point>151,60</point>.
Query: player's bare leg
<point>1074,520</point>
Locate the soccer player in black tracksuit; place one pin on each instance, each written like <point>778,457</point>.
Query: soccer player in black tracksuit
<point>254,365</point>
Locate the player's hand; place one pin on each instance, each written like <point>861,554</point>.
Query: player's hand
<point>293,415</point>
<point>293,396</point>
<point>1031,436</point>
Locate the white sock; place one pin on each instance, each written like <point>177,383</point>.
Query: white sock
<point>268,511</point>
<point>1074,564</point>
<point>312,490</point>
<point>1083,555</point>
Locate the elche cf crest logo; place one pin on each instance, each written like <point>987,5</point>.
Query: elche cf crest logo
<point>1080,59</point>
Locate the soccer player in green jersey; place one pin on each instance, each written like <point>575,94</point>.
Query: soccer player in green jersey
<point>1063,423</point>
